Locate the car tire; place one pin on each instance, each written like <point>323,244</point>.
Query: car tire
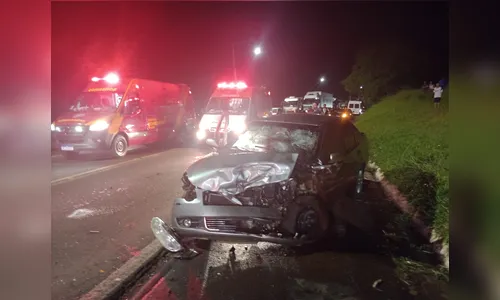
<point>119,147</point>
<point>70,155</point>
<point>358,187</point>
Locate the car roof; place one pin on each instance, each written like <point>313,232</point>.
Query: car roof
<point>304,119</point>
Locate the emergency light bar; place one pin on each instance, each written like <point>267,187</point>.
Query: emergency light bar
<point>111,78</point>
<point>232,85</point>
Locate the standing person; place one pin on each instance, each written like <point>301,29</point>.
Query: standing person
<point>316,109</point>
<point>438,91</point>
<point>325,110</point>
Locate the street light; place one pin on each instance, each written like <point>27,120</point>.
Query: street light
<point>361,87</point>
<point>322,79</point>
<point>257,51</point>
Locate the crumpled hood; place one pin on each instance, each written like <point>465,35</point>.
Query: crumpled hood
<point>231,174</point>
<point>82,117</point>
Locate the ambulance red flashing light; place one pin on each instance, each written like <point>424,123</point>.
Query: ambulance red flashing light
<point>232,85</point>
<point>111,78</point>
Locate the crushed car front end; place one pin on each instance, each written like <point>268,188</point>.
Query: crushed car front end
<point>249,196</point>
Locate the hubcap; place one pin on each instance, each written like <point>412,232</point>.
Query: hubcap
<point>120,147</point>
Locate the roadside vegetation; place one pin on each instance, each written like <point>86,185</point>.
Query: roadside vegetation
<point>409,142</point>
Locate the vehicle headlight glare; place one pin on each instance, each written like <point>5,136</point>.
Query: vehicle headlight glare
<point>239,128</point>
<point>201,134</point>
<point>99,126</point>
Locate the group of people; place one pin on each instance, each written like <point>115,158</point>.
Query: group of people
<point>437,90</point>
<point>315,109</point>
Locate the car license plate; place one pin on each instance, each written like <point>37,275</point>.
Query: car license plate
<point>67,148</point>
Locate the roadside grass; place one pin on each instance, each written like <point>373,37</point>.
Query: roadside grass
<point>409,142</point>
<point>420,276</point>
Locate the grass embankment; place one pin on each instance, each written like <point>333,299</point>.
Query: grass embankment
<point>409,142</point>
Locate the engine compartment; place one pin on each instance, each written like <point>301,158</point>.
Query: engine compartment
<point>296,199</point>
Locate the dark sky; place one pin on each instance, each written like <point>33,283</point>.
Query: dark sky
<point>190,42</point>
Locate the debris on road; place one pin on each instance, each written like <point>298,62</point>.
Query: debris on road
<point>376,284</point>
<point>94,231</point>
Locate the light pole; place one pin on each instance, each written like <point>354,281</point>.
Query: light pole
<point>257,51</point>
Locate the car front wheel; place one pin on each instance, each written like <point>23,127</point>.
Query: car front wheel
<point>119,146</point>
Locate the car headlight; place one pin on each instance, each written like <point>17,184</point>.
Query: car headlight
<point>52,127</point>
<point>99,126</point>
<point>201,134</point>
<point>165,235</point>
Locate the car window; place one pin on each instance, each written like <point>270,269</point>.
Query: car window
<point>351,106</point>
<point>349,137</point>
<point>356,106</point>
<point>332,142</point>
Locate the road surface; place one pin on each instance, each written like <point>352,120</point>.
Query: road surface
<point>102,219</point>
<point>348,269</point>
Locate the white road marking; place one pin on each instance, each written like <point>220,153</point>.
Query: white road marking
<point>101,169</point>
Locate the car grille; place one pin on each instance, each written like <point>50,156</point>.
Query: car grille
<point>221,224</point>
<point>69,135</point>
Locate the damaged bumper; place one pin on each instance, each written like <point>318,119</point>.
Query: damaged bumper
<point>194,220</point>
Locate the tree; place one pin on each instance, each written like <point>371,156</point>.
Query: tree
<point>382,69</point>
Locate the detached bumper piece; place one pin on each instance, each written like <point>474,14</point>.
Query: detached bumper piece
<point>170,241</point>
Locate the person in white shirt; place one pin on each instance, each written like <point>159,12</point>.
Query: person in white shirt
<point>438,91</point>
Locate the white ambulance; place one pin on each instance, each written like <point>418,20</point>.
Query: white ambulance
<point>243,104</point>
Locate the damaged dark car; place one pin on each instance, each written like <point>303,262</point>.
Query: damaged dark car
<point>275,184</point>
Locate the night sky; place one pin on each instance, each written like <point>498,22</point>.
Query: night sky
<point>190,42</point>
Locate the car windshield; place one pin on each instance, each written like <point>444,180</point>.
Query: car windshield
<point>100,101</point>
<point>291,138</point>
<point>291,103</point>
<point>310,101</point>
<point>234,105</point>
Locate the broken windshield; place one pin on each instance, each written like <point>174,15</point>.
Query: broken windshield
<point>292,138</point>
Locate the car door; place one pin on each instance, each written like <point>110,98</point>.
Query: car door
<point>356,108</point>
<point>331,146</point>
<point>354,151</point>
<point>134,122</point>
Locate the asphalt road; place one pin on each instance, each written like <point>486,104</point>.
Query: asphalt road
<point>378,262</point>
<point>102,219</point>
<point>62,168</point>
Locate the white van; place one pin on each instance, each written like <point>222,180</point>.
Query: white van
<point>291,104</point>
<point>319,98</point>
<point>356,106</point>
